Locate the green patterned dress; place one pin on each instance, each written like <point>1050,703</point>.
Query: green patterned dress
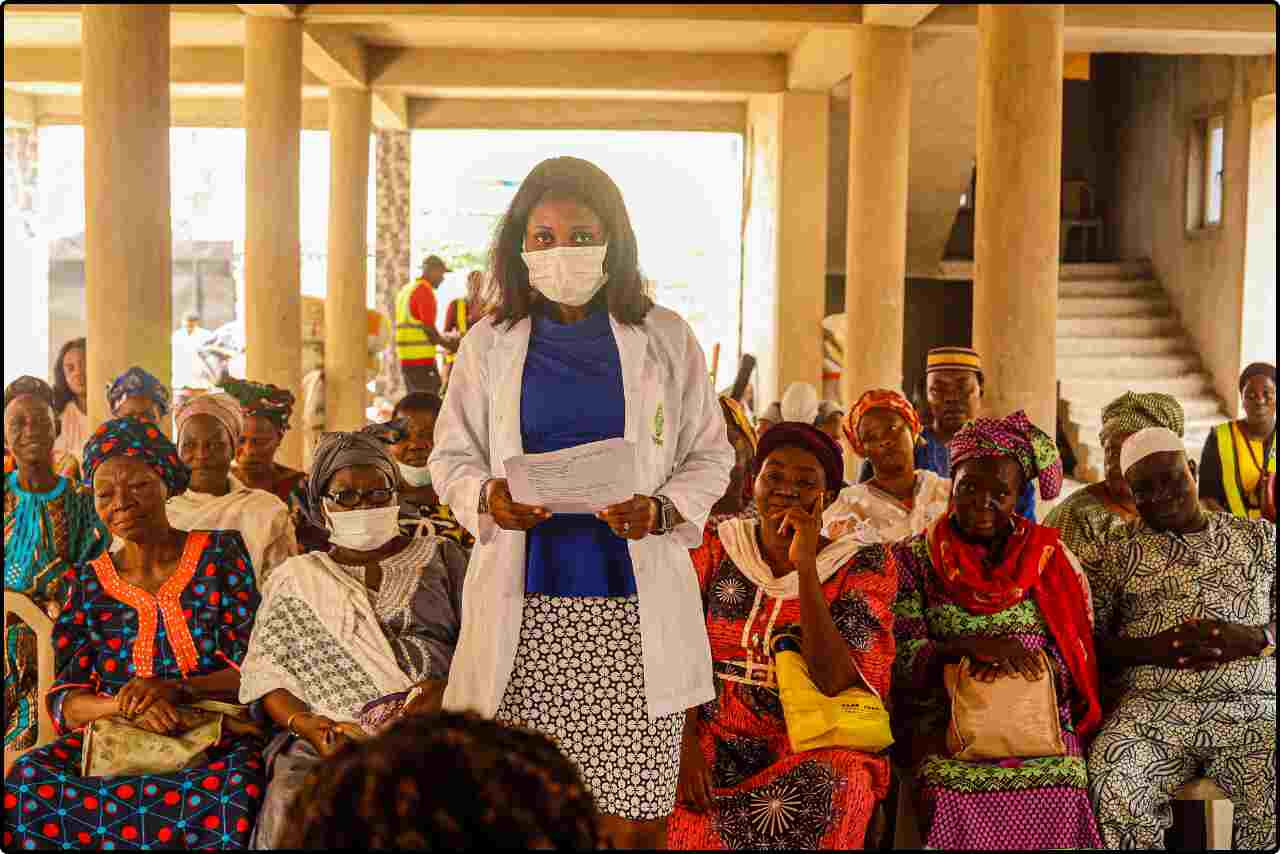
<point>998,804</point>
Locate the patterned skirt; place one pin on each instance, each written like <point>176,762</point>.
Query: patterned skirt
<point>579,678</point>
<point>20,687</point>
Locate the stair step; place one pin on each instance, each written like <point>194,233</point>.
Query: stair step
<point>1126,347</point>
<point>1105,270</point>
<point>1104,390</point>
<point>1117,327</point>
<point>1112,306</point>
<point>1161,366</point>
<point>1108,288</point>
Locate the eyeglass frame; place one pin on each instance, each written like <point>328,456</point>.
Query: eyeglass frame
<point>361,495</point>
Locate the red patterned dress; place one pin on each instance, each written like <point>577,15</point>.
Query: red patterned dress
<point>108,632</point>
<point>766,795</point>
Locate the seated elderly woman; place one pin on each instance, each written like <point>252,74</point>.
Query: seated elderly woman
<point>1086,518</point>
<point>350,639</point>
<point>162,623</point>
<point>266,409</point>
<point>741,783</point>
<point>988,586</point>
<point>49,526</point>
<point>450,781</point>
<point>209,429</point>
<point>899,500</point>
<point>411,433</point>
<point>138,394</point>
<point>1186,623</point>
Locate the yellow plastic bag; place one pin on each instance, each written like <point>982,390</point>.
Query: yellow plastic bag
<point>854,718</point>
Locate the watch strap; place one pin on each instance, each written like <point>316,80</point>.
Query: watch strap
<point>666,514</point>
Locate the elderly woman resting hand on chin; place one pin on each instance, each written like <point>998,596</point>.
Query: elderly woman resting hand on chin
<point>159,624</point>
<point>349,640</point>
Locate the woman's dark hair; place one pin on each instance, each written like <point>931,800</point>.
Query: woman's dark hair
<point>445,781</point>
<point>62,393</point>
<point>569,177</point>
<point>417,401</point>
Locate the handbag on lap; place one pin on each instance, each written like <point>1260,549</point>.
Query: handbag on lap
<point>1007,718</point>
<point>114,746</point>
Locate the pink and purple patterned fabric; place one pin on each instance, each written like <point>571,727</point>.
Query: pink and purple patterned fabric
<point>1015,436</point>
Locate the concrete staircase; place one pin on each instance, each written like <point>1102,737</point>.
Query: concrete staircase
<point>1117,332</point>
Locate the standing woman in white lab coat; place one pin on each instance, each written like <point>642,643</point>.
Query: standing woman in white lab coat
<point>588,628</point>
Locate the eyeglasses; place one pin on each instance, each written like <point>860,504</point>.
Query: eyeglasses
<point>351,498</point>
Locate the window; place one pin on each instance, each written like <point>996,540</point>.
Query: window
<point>1206,141</point>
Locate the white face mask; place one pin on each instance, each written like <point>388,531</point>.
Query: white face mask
<point>569,275</point>
<point>364,530</point>
<point>415,475</point>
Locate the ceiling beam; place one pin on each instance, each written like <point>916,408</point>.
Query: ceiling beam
<point>575,114</point>
<point>391,110</point>
<point>270,10</point>
<point>896,14</point>
<point>423,71</point>
<point>19,110</point>
<point>796,13</point>
<point>199,66</point>
<point>334,55</point>
<point>1228,28</point>
<point>820,61</point>
<point>184,112</point>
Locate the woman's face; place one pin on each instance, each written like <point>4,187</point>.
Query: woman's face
<point>985,494</point>
<point>129,497</point>
<point>887,439</point>
<point>1259,397</point>
<point>556,221</point>
<point>369,483</point>
<point>415,449</point>
<point>140,407</point>
<point>259,443</point>
<point>790,477</point>
<point>207,449</point>
<point>29,430</point>
<point>73,370</point>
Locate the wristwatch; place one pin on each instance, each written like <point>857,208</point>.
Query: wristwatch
<point>1269,650</point>
<point>666,515</point>
<point>483,506</point>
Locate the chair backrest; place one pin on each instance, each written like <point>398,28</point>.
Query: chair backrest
<point>21,606</point>
<point>1077,199</point>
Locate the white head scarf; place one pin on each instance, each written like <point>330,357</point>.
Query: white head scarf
<point>1148,441</point>
<point>800,403</point>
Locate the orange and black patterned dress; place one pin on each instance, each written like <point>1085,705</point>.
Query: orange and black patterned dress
<point>766,795</point>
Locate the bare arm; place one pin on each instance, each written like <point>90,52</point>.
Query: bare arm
<point>824,648</point>
<point>85,707</point>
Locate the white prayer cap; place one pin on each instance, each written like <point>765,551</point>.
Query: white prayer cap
<point>800,403</point>
<point>1148,441</point>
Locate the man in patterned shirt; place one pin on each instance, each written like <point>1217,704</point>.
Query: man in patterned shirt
<point>1185,610</point>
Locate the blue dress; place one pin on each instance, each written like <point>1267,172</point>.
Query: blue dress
<point>572,395</point>
<point>99,644</point>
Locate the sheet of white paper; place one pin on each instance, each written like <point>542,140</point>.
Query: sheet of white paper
<point>583,479</point>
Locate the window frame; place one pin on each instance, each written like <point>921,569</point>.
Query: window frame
<point>1200,127</point>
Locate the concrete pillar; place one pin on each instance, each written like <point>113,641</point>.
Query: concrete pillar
<point>785,244</point>
<point>128,239</point>
<point>1015,294</point>
<point>392,262</point>
<point>345,329</point>
<point>876,253</point>
<point>272,264</point>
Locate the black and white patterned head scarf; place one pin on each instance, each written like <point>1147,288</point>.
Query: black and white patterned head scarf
<point>337,451</point>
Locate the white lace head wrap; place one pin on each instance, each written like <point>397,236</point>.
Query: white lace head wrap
<point>800,403</point>
<point>1148,441</point>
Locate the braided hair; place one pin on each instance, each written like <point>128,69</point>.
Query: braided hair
<point>445,781</point>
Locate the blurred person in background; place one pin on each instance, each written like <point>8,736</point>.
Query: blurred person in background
<point>70,404</point>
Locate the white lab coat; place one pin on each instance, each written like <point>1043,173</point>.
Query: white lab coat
<point>683,453</point>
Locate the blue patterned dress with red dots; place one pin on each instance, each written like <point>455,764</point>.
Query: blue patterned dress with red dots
<point>110,631</point>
